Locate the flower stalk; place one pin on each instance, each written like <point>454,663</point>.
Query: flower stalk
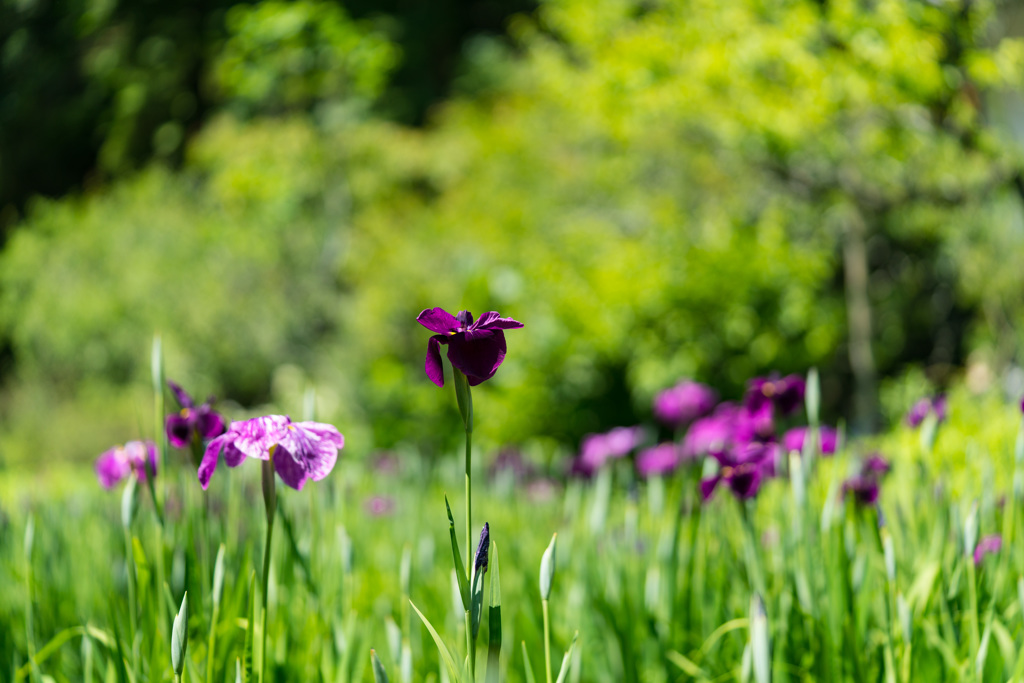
<point>270,502</point>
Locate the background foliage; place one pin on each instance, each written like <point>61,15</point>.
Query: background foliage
<point>657,190</point>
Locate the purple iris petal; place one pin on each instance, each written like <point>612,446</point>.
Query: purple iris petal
<point>476,348</point>
<point>117,463</point>
<point>202,421</point>
<point>304,450</point>
<point>179,428</point>
<point>793,440</point>
<point>864,489</point>
<point>184,400</point>
<point>923,406</point>
<point>209,424</point>
<point>744,480</point>
<point>876,465</point>
<point>660,459</point>
<point>598,448</point>
<point>477,353</point>
<point>989,545</point>
<point>438,320</point>
<point>112,467</point>
<point>684,403</point>
<point>785,393</point>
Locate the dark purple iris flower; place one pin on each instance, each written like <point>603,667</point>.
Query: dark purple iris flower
<point>599,448</point>
<point>785,393</point>
<point>863,489</point>
<point>660,459</point>
<point>793,440</point>
<point>743,468</point>
<point>192,420</point>
<point>989,545</point>
<point>302,450</point>
<point>876,465</point>
<point>477,348</point>
<point>684,403</point>
<point>920,410</point>
<point>865,486</point>
<point>120,461</point>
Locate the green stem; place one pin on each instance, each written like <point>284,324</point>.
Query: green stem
<point>470,645</point>
<point>547,641</point>
<point>972,615</point>
<point>130,564</point>
<point>212,643</point>
<point>270,501</point>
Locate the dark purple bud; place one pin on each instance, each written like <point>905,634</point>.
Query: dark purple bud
<point>480,561</point>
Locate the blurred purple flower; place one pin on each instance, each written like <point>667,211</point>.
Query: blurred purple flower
<point>120,461</point>
<point>989,545</point>
<point>793,440</point>
<point>920,410</point>
<point>596,449</point>
<point>866,485</point>
<point>712,434</point>
<point>379,506</point>
<point>785,393</point>
<point>477,348</point>
<point>660,459</point>
<point>201,420</point>
<point>875,465</point>
<point>386,463</point>
<point>684,403</point>
<point>864,489</point>
<point>511,460</point>
<point>743,468</point>
<point>302,450</point>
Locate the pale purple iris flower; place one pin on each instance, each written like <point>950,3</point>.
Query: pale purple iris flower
<point>599,448</point>
<point>925,406</point>
<point>785,393</point>
<point>660,459</point>
<point>476,347</point>
<point>192,420</point>
<point>684,403</point>
<point>793,440</point>
<point>301,450</point>
<point>120,461</point>
<point>989,545</point>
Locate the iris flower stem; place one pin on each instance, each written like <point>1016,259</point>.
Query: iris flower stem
<point>464,397</point>
<point>547,641</point>
<point>130,566</point>
<point>270,501</point>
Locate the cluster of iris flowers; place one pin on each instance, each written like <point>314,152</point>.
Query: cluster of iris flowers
<point>742,439</point>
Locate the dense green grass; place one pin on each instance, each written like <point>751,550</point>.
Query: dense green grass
<point>341,580</point>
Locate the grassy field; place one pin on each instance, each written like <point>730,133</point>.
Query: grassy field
<point>798,583</point>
